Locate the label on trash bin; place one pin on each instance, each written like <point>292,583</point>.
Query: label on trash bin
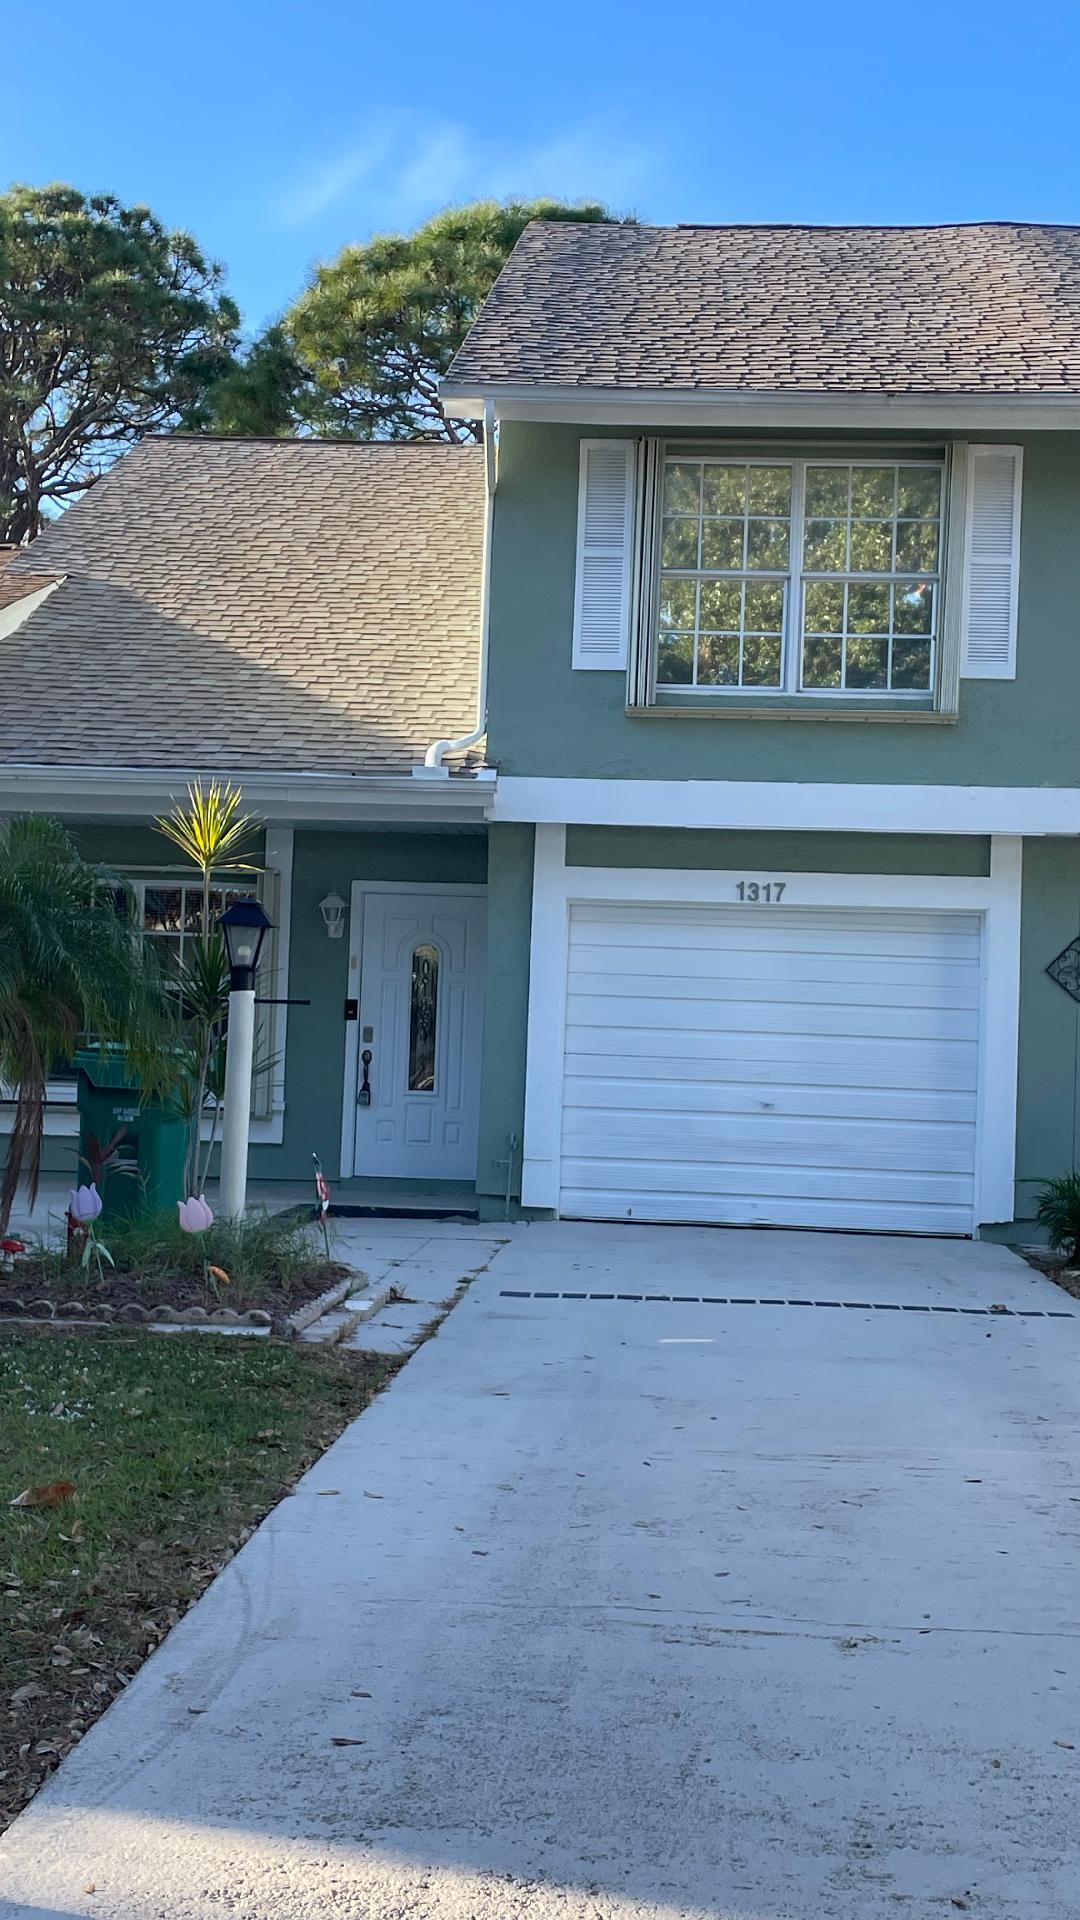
<point>126,1114</point>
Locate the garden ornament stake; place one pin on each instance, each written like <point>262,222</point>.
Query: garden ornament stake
<point>196,1216</point>
<point>84,1205</point>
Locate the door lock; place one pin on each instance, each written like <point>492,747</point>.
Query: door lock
<point>363,1098</point>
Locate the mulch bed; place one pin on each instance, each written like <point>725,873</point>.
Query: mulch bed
<point>36,1289</point>
<point>1055,1269</point>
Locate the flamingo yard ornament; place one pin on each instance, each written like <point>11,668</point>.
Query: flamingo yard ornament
<point>322,1200</point>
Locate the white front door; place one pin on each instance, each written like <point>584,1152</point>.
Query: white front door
<point>420,1019</point>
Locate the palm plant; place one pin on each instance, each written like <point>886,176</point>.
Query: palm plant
<point>211,829</point>
<point>68,965</point>
<point>1058,1210</point>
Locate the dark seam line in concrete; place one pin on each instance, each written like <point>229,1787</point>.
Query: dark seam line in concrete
<point>744,1300</point>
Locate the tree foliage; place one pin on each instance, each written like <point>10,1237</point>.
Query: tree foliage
<point>68,966</point>
<point>110,327</point>
<point>265,392</point>
<point>378,328</point>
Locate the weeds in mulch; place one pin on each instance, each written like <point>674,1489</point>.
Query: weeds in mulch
<point>173,1450</point>
<point>274,1261</point>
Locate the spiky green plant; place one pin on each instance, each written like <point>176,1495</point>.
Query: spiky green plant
<point>211,830</point>
<point>68,966</point>
<point>1058,1210</point>
<point>214,833</point>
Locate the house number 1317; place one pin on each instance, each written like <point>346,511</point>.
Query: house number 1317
<point>770,891</point>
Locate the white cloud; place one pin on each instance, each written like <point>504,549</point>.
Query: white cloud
<point>403,167</point>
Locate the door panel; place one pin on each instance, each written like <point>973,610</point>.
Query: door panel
<point>421,995</point>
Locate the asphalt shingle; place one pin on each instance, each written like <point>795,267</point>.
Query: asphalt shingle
<point>988,310</point>
<point>297,606</point>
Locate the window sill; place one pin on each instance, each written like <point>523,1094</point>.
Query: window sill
<point>817,711</point>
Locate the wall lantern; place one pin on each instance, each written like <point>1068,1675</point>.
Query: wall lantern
<point>333,913</point>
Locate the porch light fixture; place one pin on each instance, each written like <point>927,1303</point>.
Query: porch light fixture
<point>333,913</point>
<point>244,926</point>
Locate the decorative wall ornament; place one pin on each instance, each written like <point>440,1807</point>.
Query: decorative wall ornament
<point>1066,969</point>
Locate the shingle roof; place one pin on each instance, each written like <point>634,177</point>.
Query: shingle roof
<point>987,310</point>
<point>19,586</point>
<point>300,606</point>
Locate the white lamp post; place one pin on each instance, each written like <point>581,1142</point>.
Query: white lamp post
<point>245,926</point>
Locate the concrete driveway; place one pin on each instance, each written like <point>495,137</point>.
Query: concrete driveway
<point>636,1607</point>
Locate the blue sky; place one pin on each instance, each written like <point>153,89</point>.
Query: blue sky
<point>277,133</point>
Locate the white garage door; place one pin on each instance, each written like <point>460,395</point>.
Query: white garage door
<point>797,1067</point>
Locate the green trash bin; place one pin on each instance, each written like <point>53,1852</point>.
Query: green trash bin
<point>146,1139</point>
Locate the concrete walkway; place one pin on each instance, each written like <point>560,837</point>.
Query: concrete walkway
<point>632,1608</point>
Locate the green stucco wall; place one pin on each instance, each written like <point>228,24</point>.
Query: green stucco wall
<point>773,852</point>
<point>506,1007</point>
<point>1048,1113</point>
<point>545,719</point>
<point>324,862</point>
<point>1048,1139</point>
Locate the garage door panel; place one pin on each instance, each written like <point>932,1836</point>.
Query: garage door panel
<point>799,1067</point>
<point>803,1058</point>
<point>600,962</point>
<point>772,1185</point>
<point>844,1019</point>
<point>766,1139</point>
<point>684,1096</point>
<point>861,986</point>
<point>781,931</point>
<point>863,1216</point>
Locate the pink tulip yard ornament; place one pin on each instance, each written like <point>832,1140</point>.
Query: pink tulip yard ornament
<point>84,1205</point>
<point>195,1215</point>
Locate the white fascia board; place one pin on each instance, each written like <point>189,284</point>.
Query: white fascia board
<point>640,407</point>
<point>119,792</point>
<point>12,617</point>
<point>788,806</point>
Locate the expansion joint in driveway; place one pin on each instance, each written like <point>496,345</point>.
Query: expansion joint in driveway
<point>744,1300</point>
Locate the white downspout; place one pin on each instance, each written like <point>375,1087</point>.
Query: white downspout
<point>434,766</point>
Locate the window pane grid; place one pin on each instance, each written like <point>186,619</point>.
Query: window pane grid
<point>723,631</point>
<point>725,560</point>
<point>865,538</point>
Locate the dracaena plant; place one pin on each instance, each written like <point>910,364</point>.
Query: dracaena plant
<point>212,830</point>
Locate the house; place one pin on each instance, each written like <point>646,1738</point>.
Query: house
<point>765,586</point>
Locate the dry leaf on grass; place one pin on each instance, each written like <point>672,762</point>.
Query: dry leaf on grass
<point>53,1495</point>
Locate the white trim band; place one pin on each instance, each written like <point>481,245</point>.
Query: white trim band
<point>788,806</point>
<point>636,406</point>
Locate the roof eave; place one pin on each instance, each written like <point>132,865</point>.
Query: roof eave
<point>640,406</point>
<point>278,797</point>
<point>16,612</point>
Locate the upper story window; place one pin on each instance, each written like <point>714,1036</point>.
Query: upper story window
<point>811,577</point>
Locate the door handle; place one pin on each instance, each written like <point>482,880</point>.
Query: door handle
<point>363,1098</point>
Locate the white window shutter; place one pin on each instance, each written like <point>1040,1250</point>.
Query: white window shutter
<point>992,563</point>
<point>605,541</point>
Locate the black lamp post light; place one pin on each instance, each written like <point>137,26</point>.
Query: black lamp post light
<point>244,927</point>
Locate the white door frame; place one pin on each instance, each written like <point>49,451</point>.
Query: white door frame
<point>996,896</point>
<point>359,891</point>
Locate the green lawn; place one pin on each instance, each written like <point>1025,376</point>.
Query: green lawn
<point>176,1447</point>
